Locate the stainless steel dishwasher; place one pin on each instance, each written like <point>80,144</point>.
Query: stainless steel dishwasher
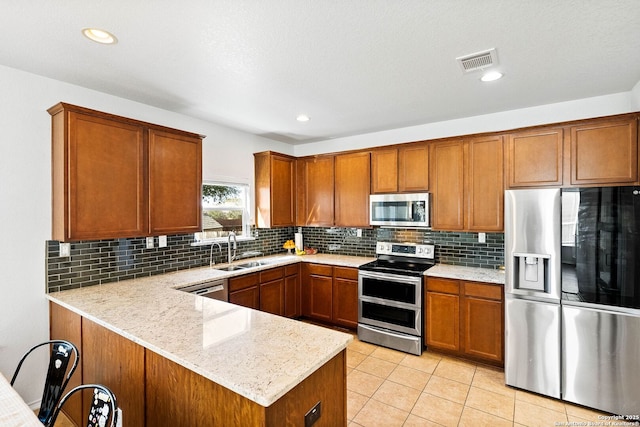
<point>215,289</point>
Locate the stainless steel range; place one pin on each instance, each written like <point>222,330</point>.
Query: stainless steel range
<point>390,301</point>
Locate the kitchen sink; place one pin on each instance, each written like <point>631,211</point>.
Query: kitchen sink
<point>232,268</point>
<point>246,265</point>
<point>257,263</point>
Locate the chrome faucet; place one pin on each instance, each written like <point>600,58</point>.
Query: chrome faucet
<point>211,261</point>
<point>235,246</point>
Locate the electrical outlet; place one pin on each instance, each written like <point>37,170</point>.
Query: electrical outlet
<point>334,247</point>
<point>162,241</point>
<point>313,415</point>
<point>65,249</point>
<point>150,242</point>
<point>482,237</point>
<point>359,232</point>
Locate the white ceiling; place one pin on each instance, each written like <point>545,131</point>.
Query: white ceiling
<point>354,66</point>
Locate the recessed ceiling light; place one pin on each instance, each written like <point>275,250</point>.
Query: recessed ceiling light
<point>302,118</point>
<point>99,36</point>
<point>491,76</point>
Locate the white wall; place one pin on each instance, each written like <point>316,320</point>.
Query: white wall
<point>25,195</point>
<point>635,97</point>
<point>573,110</point>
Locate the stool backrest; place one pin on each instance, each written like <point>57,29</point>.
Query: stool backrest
<point>58,375</point>
<point>103,410</point>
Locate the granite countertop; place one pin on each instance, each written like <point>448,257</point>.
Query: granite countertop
<point>255,354</point>
<point>466,273</point>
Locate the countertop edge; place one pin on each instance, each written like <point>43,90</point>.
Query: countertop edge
<point>475,274</point>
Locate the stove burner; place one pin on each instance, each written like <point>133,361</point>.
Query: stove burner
<point>407,259</point>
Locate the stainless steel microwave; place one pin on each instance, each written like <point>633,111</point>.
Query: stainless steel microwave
<point>399,210</point>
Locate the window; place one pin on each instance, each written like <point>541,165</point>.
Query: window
<point>225,208</point>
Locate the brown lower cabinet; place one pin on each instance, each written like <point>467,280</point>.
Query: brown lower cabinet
<point>155,392</point>
<point>330,294</point>
<point>275,290</point>
<point>244,290</point>
<point>466,319</point>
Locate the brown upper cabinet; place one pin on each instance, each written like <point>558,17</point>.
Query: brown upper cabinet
<point>604,152</point>
<point>594,152</point>
<point>535,158</point>
<point>400,170</point>
<point>333,190</point>
<point>485,184</point>
<point>315,178</point>
<point>275,175</point>
<point>467,184</point>
<point>352,188</point>
<point>175,182</point>
<point>447,169</point>
<point>114,177</point>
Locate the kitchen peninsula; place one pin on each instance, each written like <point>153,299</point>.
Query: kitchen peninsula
<point>178,359</point>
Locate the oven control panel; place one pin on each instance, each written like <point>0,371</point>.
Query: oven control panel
<point>426,250</point>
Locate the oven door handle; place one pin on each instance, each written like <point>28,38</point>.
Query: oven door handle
<point>391,277</point>
<point>386,331</point>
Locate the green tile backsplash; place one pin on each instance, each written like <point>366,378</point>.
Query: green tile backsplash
<point>104,261</point>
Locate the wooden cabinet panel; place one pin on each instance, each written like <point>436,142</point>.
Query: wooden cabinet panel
<point>321,297</point>
<point>404,169</point>
<point>317,291</point>
<point>119,364</point>
<point>384,171</point>
<point>175,183</point>
<point>445,286</point>
<point>604,153</point>
<point>244,281</point>
<point>448,185</point>
<point>330,294</point>
<point>271,274</point>
<point>352,188</point>
<point>465,318</point>
<point>349,273</point>
<point>481,290</point>
<point>442,321</point>
<point>483,330</point>
<point>272,297</point>
<point>291,269</point>
<point>66,325</point>
<point>315,178</point>
<point>292,301</point>
<point>98,178</point>
<point>327,385</point>
<point>345,297</point>
<point>319,269</point>
<point>413,168</point>
<point>274,190</point>
<point>467,184</point>
<point>177,396</point>
<point>535,158</point>
<point>485,185</point>
<point>114,177</point>
<point>248,297</point>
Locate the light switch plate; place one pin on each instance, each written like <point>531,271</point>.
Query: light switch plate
<point>482,237</point>
<point>65,249</point>
<point>162,241</point>
<point>150,242</point>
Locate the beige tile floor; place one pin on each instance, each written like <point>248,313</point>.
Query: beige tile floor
<point>389,388</point>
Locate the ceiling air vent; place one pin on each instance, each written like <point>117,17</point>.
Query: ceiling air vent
<point>478,60</point>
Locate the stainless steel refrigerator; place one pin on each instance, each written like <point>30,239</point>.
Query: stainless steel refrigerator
<point>532,290</point>
<point>572,316</point>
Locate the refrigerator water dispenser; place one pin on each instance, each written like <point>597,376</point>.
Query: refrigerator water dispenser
<point>532,272</point>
